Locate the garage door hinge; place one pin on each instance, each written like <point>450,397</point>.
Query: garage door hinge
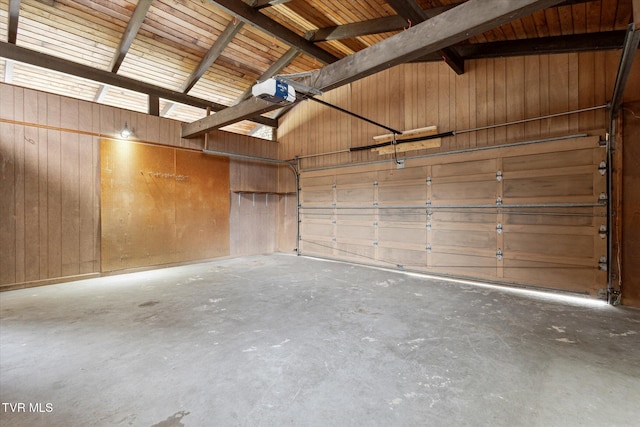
<point>499,228</point>
<point>603,263</point>
<point>602,168</point>
<point>499,176</point>
<point>334,186</point>
<point>603,197</point>
<point>429,213</point>
<point>375,183</point>
<point>428,180</point>
<point>428,202</point>
<point>603,231</point>
<point>499,254</point>
<point>334,222</point>
<point>499,201</point>
<point>428,225</point>
<point>428,248</point>
<point>375,223</point>
<point>375,243</point>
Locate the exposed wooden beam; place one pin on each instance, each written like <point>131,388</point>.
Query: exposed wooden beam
<point>27,56</point>
<point>413,13</point>
<point>373,26</point>
<point>154,105</point>
<point>541,46</point>
<point>133,26</point>
<point>214,52</point>
<point>261,4</point>
<point>130,34</point>
<point>277,66</point>
<point>384,25</point>
<point>14,16</point>
<point>460,23</point>
<point>251,16</point>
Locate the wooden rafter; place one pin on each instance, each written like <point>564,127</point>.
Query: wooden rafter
<point>251,16</point>
<point>14,16</point>
<point>461,22</point>
<point>384,25</point>
<point>261,4</point>
<point>413,13</point>
<point>220,44</point>
<point>130,34</point>
<point>133,26</point>
<point>207,61</point>
<point>28,56</point>
<point>544,45</point>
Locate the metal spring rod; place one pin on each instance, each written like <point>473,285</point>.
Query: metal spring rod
<point>548,116</point>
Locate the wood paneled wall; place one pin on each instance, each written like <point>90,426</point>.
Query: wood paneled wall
<point>492,91</point>
<point>50,180</point>
<point>630,232</point>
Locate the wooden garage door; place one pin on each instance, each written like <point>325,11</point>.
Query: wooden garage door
<point>529,214</point>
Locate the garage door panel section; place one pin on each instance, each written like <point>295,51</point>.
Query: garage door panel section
<point>511,214</point>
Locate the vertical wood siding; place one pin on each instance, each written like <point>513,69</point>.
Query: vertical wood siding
<point>50,179</point>
<point>492,91</point>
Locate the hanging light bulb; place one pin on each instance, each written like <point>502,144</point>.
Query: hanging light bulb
<point>126,132</point>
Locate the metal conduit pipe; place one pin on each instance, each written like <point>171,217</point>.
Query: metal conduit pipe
<point>432,207</point>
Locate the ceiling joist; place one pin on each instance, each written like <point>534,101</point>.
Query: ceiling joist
<point>14,15</point>
<point>253,17</point>
<point>444,30</point>
<point>27,56</point>
<point>411,11</point>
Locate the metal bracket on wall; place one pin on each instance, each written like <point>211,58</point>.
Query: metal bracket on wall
<point>499,254</point>
<point>603,231</point>
<point>602,264</point>
<point>602,168</point>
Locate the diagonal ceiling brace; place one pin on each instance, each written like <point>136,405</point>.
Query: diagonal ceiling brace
<point>14,15</point>
<point>414,14</point>
<point>460,23</point>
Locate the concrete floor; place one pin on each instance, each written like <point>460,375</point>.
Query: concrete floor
<point>283,340</point>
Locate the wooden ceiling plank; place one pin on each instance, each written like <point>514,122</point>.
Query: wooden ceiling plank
<point>130,34</point>
<point>14,16</point>
<point>221,43</point>
<point>453,26</point>
<point>27,56</point>
<point>373,26</point>
<point>252,17</point>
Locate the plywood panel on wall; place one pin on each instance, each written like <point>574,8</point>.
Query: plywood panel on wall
<point>161,205</point>
<point>529,214</point>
